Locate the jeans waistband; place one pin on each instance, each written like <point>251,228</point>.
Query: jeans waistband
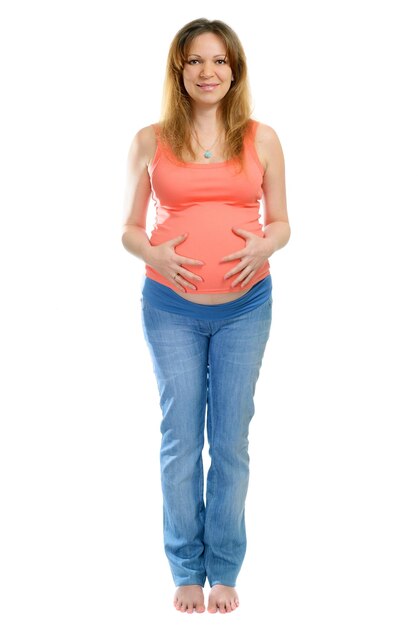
<point>167,299</point>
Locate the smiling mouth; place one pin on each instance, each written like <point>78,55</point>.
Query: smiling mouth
<point>208,87</point>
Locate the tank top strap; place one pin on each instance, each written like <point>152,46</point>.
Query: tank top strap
<point>156,128</point>
<point>251,129</point>
<point>249,141</point>
<point>158,151</point>
<point>162,148</point>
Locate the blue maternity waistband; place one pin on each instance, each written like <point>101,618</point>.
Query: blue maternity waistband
<point>167,299</point>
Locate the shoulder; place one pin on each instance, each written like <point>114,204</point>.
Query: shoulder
<point>266,135</point>
<point>268,144</point>
<point>143,145</point>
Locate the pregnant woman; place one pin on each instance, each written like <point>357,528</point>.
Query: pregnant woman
<point>207,295</point>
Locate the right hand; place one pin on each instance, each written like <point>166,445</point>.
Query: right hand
<point>167,262</point>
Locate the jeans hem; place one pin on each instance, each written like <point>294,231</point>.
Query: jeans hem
<point>223,581</point>
<point>192,581</point>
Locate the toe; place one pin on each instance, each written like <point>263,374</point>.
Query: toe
<point>212,606</point>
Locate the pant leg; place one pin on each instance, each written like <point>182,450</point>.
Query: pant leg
<point>179,351</point>
<point>235,355</point>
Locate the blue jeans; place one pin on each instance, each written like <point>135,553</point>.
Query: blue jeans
<point>214,365</point>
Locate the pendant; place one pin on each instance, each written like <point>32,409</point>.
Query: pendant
<point>207,154</point>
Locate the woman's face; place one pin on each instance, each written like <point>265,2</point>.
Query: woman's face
<point>207,74</point>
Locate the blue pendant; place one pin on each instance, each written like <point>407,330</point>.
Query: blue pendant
<point>207,154</point>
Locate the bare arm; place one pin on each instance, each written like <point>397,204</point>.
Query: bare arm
<point>276,224</point>
<point>276,221</point>
<point>137,196</point>
<point>163,258</point>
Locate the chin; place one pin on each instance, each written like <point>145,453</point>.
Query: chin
<point>216,97</point>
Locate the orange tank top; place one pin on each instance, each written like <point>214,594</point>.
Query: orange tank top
<point>206,200</point>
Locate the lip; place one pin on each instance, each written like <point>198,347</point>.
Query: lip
<point>208,86</point>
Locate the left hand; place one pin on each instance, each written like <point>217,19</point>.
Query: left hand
<point>253,256</point>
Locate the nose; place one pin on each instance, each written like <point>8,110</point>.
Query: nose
<point>206,70</point>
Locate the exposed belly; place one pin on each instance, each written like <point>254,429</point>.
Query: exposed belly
<point>215,298</point>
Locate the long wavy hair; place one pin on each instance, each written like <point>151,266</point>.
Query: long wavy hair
<point>235,107</point>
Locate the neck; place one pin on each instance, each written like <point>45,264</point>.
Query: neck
<point>207,121</point>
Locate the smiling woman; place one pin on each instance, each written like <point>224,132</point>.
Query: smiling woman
<point>209,73</point>
<point>199,56</point>
<point>207,297</point>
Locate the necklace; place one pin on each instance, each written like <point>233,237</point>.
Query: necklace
<point>206,153</point>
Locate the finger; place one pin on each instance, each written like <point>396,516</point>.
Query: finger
<point>177,240</point>
<point>243,233</point>
<point>249,277</point>
<point>187,274</point>
<point>233,256</point>
<point>243,275</point>
<point>184,260</point>
<point>179,279</point>
<point>176,283</point>
<point>237,268</point>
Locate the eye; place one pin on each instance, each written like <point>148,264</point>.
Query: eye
<point>192,61</point>
<point>223,61</point>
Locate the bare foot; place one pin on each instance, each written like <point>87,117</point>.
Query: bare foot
<point>223,599</point>
<point>188,598</point>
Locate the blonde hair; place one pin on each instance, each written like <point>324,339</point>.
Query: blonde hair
<point>235,107</point>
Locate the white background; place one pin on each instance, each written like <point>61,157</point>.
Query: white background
<point>332,506</point>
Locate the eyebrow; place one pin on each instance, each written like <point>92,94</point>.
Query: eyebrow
<point>192,54</point>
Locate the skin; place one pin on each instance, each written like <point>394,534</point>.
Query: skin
<point>206,62</point>
<point>189,598</point>
<point>223,599</point>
